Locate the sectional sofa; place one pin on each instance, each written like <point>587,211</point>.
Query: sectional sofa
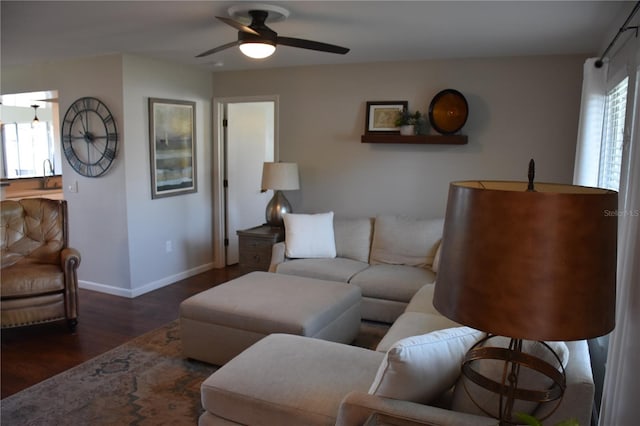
<point>413,375</point>
<point>389,257</point>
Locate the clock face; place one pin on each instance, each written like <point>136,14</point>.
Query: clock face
<point>89,137</point>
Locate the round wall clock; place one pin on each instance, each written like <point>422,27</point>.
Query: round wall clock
<point>89,137</point>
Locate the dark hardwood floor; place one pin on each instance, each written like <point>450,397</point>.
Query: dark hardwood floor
<point>32,354</point>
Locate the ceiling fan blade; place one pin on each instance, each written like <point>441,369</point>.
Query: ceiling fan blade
<point>238,26</point>
<point>217,49</point>
<point>313,45</point>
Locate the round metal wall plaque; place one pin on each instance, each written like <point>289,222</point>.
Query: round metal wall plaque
<point>448,111</point>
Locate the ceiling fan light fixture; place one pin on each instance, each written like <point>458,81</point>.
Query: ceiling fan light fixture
<point>257,50</point>
<point>257,40</point>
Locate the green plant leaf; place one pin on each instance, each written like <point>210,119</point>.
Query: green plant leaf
<point>532,421</point>
<point>570,422</point>
<point>527,419</point>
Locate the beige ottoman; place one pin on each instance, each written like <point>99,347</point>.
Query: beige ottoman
<point>219,323</point>
<point>287,380</point>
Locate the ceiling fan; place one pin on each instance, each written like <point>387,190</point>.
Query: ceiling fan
<point>258,41</point>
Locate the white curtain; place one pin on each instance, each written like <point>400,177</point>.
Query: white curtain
<point>590,124</point>
<point>620,400</point>
<point>621,390</point>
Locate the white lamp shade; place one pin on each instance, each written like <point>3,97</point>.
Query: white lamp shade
<point>280,176</point>
<point>257,50</point>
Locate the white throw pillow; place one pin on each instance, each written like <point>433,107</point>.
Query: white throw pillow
<point>492,369</point>
<point>421,368</point>
<point>309,235</point>
<point>399,240</point>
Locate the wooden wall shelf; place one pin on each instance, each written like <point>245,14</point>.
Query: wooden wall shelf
<point>415,139</point>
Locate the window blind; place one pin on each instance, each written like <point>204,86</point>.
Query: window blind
<point>613,137</point>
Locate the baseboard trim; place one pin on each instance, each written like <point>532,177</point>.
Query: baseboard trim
<point>104,288</point>
<point>146,288</point>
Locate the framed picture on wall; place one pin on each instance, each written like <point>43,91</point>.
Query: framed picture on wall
<point>381,116</point>
<point>172,142</point>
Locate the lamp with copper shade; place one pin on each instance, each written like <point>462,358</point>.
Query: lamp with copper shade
<point>528,263</point>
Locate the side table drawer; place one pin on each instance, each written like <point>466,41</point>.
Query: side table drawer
<point>255,245</point>
<point>255,253</point>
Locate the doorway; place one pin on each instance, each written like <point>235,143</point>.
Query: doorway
<point>247,137</point>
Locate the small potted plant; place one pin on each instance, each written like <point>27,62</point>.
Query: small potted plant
<point>407,121</point>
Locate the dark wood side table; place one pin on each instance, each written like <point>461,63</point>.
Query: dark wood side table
<point>255,246</point>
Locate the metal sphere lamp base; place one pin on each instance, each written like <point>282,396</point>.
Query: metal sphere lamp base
<point>508,389</point>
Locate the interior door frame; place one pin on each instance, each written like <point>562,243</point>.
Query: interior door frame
<point>219,166</point>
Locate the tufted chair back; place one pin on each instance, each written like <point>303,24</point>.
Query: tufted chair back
<point>33,231</point>
<point>39,271</point>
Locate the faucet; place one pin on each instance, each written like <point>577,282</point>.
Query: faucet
<point>45,178</point>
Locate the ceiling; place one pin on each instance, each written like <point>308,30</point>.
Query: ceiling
<point>37,31</point>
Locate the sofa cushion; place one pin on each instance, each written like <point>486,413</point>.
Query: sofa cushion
<point>32,231</point>
<point>399,240</point>
<point>421,368</point>
<point>392,282</point>
<point>413,324</point>
<point>492,369</point>
<point>422,301</point>
<point>353,238</point>
<point>309,235</point>
<point>336,269</point>
<point>289,380</point>
<point>31,279</point>
<point>436,258</point>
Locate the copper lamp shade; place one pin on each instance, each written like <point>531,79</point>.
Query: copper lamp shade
<point>535,265</point>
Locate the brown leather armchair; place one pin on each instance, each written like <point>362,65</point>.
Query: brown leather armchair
<point>38,281</point>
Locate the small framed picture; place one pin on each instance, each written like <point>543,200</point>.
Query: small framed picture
<point>172,143</point>
<point>381,116</point>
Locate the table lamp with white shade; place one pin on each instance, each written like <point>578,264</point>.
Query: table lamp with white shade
<point>279,177</point>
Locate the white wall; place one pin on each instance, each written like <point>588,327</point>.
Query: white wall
<point>120,232</point>
<point>185,220</point>
<point>97,212</point>
<point>520,108</point>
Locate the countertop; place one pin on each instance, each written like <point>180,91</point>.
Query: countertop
<point>54,194</point>
<point>16,189</point>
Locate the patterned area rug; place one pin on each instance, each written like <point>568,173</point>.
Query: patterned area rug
<point>144,382</point>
